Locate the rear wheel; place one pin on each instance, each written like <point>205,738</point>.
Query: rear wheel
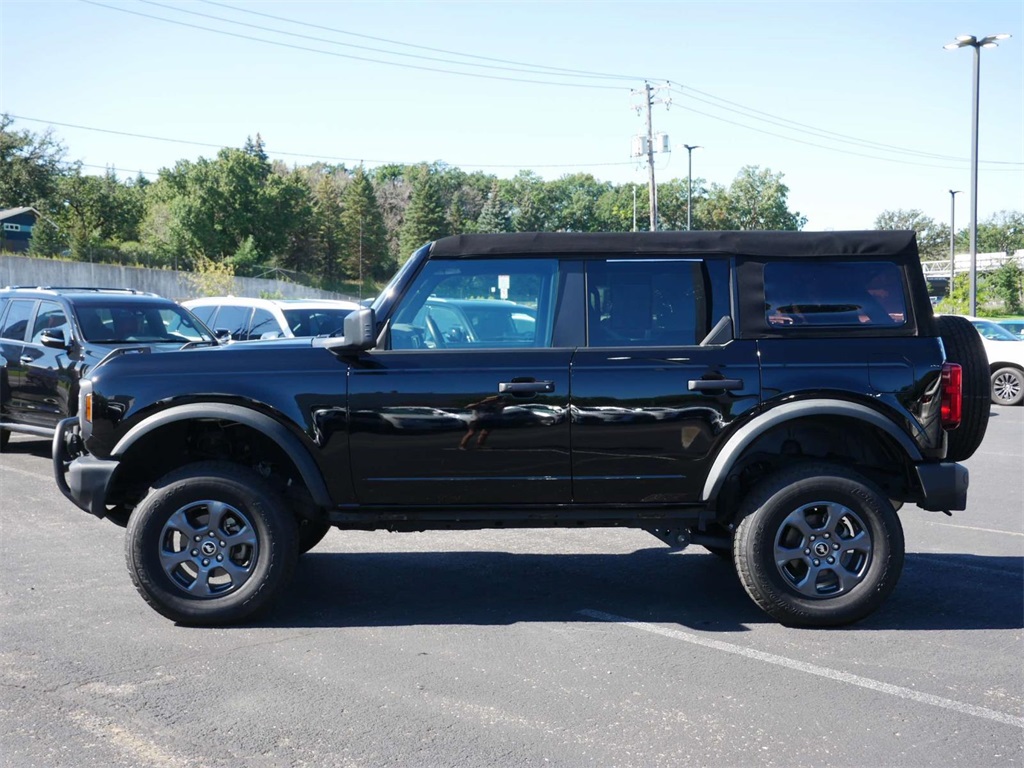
<point>211,544</point>
<point>5,438</point>
<point>818,546</point>
<point>964,346</point>
<point>311,533</point>
<point>1008,386</point>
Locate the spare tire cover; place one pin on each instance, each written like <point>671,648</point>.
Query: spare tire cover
<point>963,345</point>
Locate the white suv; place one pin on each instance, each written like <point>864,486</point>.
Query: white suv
<point>244,318</point>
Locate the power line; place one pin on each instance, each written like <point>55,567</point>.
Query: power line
<point>822,132</point>
<point>306,155</point>
<point>350,56</point>
<point>427,48</point>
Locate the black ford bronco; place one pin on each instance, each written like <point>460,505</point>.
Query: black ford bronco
<point>771,396</point>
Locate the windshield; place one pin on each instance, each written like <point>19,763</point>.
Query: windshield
<point>994,331</point>
<point>143,322</point>
<point>316,322</point>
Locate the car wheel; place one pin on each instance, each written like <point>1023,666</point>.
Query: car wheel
<point>211,544</point>
<point>5,438</point>
<point>964,346</point>
<point>1008,386</point>
<point>818,546</point>
<point>311,533</point>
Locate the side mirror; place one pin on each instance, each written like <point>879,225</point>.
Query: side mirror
<point>54,339</point>
<point>223,334</point>
<point>360,333</point>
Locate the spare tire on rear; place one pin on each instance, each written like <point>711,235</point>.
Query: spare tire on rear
<point>963,345</point>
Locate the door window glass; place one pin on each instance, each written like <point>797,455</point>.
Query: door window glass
<point>16,320</point>
<point>50,318</point>
<point>263,321</point>
<point>632,303</point>
<point>235,320</point>
<point>204,313</point>
<point>486,303</point>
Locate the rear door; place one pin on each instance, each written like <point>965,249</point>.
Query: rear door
<point>650,404</point>
<point>14,328</point>
<point>444,416</point>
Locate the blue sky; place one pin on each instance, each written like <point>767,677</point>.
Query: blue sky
<point>857,104</point>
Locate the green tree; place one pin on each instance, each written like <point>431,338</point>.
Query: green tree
<point>1004,286</point>
<point>1003,232</point>
<point>758,199</point>
<point>528,203</point>
<point>31,166</point>
<point>425,217</point>
<point>364,239</point>
<point>932,238</point>
<point>494,214</point>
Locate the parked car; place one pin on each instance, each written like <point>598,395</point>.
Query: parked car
<point>673,400</point>
<point>51,337</point>
<point>1014,325</point>
<point>242,318</point>
<point>1005,352</point>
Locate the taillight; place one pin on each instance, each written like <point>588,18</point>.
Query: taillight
<point>952,395</point>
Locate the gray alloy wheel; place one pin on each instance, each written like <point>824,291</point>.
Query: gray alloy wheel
<point>818,545</point>
<point>823,549</point>
<point>1008,386</point>
<point>211,544</point>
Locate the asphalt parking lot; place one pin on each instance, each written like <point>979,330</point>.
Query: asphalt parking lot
<point>569,648</point>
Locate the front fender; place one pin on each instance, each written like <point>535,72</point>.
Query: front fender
<point>275,430</point>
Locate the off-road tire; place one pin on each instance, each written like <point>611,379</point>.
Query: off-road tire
<point>159,568</point>
<point>964,346</point>
<point>865,543</point>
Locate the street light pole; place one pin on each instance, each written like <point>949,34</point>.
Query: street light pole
<point>689,179</point>
<point>952,237</point>
<point>963,41</point>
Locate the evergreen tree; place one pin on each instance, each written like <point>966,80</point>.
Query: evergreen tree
<point>364,239</point>
<point>493,217</point>
<point>425,216</point>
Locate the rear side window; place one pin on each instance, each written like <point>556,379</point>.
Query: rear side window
<point>632,303</point>
<point>233,319</point>
<point>15,322</point>
<point>204,313</point>
<point>859,294</point>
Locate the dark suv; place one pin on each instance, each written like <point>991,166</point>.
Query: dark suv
<point>51,337</point>
<point>771,396</point>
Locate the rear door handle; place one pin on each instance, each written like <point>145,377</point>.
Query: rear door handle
<point>704,385</point>
<point>521,387</point>
<point>26,359</point>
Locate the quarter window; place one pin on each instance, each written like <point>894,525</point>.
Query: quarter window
<point>16,320</point>
<point>834,294</point>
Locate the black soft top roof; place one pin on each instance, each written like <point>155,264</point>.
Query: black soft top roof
<point>894,245</point>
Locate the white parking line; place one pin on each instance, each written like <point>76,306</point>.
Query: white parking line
<point>973,528</point>
<point>812,669</point>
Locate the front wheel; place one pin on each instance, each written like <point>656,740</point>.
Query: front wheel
<point>818,546</point>
<point>211,544</point>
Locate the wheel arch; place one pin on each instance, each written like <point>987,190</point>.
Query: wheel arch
<point>805,415</point>
<point>289,445</point>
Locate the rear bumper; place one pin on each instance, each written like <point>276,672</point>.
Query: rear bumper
<point>82,478</point>
<point>943,485</point>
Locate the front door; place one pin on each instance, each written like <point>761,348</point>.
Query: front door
<point>468,401</point>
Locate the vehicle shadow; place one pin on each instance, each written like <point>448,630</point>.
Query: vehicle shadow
<point>29,445</point>
<point>692,589</point>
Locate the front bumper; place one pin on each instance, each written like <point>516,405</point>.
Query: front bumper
<point>84,479</point>
<point>943,485</point>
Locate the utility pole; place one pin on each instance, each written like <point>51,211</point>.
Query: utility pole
<point>648,95</point>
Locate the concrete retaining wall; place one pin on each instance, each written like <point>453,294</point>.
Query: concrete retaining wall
<point>24,270</point>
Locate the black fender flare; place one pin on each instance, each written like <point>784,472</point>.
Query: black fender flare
<point>275,430</point>
<point>745,436</point>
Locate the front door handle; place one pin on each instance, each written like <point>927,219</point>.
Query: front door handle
<point>704,385</point>
<point>526,387</point>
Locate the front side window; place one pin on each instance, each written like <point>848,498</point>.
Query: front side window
<point>486,303</point>
<point>235,320</point>
<point>637,303</point>
<point>263,321</point>
<point>127,323</point>
<point>860,294</point>
<point>50,318</point>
